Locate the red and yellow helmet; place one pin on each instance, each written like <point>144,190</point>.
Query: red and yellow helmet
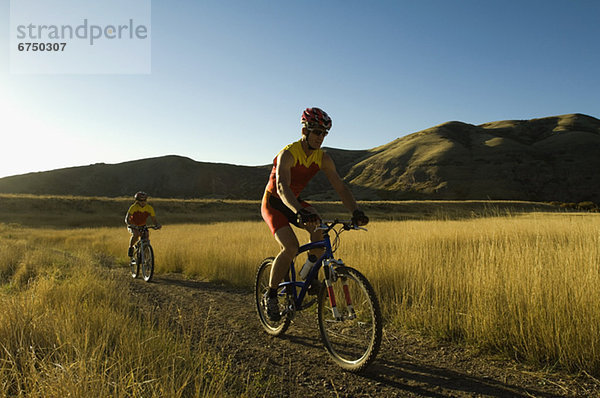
<point>316,116</point>
<point>140,195</point>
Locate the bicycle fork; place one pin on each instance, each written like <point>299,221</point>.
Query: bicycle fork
<point>330,278</point>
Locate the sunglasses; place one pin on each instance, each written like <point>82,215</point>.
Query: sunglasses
<point>319,132</point>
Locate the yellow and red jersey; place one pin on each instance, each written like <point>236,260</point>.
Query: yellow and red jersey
<point>305,168</point>
<point>137,215</point>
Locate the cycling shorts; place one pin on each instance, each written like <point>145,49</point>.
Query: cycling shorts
<point>134,231</point>
<point>276,214</point>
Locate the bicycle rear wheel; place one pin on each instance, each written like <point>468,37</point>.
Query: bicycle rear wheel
<point>351,326</point>
<point>148,263</point>
<point>261,286</point>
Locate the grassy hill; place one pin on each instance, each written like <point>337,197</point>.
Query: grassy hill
<point>168,176</point>
<point>552,158</point>
<point>547,159</point>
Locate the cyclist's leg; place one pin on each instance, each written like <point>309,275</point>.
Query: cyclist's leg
<point>316,236</point>
<point>288,242</point>
<point>135,235</point>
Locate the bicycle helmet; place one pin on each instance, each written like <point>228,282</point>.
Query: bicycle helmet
<point>316,116</point>
<point>141,195</point>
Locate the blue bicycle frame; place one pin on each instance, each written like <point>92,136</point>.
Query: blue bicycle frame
<point>293,284</point>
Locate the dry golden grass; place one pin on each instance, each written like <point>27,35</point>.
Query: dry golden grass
<point>527,286</point>
<point>68,328</point>
<point>523,284</point>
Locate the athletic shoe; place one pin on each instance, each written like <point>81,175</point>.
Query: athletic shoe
<point>272,306</point>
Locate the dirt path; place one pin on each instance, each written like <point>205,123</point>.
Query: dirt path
<point>407,366</point>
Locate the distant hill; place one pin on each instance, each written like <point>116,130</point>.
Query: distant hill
<point>554,158</point>
<point>168,176</point>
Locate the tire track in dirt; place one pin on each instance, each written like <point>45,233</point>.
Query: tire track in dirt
<point>407,365</point>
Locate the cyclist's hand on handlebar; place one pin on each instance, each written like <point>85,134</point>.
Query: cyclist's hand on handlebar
<point>307,217</point>
<point>359,218</point>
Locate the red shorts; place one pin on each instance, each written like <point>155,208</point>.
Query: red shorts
<point>276,214</point>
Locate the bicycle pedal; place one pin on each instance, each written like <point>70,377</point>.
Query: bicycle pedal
<point>289,312</point>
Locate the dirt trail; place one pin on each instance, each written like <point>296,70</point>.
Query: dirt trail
<point>407,366</point>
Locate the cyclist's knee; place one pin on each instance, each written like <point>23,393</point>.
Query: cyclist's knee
<point>289,251</point>
<point>316,235</point>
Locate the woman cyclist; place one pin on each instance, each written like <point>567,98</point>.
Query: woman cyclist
<point>137,215</point>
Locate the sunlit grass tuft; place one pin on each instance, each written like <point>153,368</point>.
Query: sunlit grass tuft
<point>220,252</point>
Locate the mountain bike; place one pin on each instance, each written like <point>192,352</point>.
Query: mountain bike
<point>143,254</point>
<point>348,311</point>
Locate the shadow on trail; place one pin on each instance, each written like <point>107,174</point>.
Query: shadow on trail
<point>306,341</point>
<point>167,279</point>
<point>432,381</point>
<point>391,374</point>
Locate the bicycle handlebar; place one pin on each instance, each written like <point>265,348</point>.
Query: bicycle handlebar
<point>327,225</point>
<point>142,227</point>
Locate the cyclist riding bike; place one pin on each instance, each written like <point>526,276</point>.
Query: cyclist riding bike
<point>293,168</point>
<point>136,216</point>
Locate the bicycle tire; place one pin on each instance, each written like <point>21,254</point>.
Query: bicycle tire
<point>148,263</point>
<point>134,268</point>
<point>260,287</point>
<point>353,343</point>
<point>134,265</point>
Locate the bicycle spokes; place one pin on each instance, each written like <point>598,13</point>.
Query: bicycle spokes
<point>350,319</point>
<point>261,286</point>
<point>348,311</point>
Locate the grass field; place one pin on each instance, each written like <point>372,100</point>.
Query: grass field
<point>499,277</point>
<point>526,286</point>
<point>69,328</point>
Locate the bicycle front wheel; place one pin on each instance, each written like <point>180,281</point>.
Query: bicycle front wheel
<point>134,265</point>
<point>350,319</point>
<point>148,263</point>
<point>263,274</point>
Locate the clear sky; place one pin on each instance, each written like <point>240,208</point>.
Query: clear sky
<point>230,78</point>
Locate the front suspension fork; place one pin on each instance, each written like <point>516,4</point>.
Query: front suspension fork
<point>329,284</point>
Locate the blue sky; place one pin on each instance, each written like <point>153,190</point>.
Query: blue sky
<point>229,79</point>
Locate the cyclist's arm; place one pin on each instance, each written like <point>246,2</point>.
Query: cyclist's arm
<point>127,216</point>
<point>336,182</point>
<point>285,162</point>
